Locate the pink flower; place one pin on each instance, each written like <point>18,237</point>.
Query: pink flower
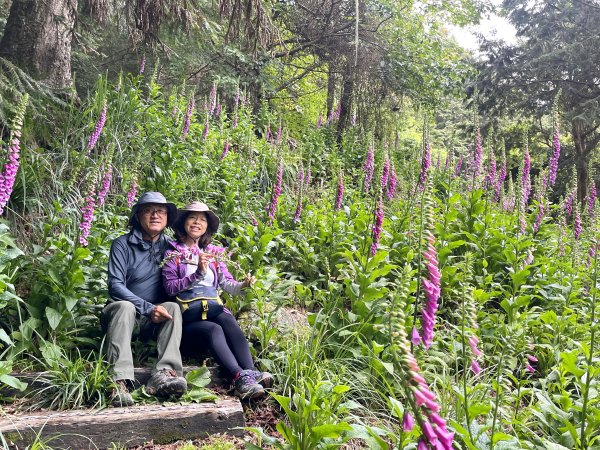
<point>391,187</point>
<point>532,358</point>
<point>96,134</point>
<point>431,287</point>
<point>525,177</point>
<point>500,181</point>
<point>592,199</point>
<point>225,150</point>
<point>568,204</point>
<point>105,186</point>
<point>87,217</point>
<point>206,128</point>
<point>416,337</point>
<point>539,217</point>
<point>13,149</point>
<point>577,224</point>
<point>188,117</point>
<point>491,175</point>
<point>212,101</point>
<point>407,422</point>
<point>529,368</point>
<point>473,341</point>
<point>132,193</point>
<point>377,226</point>
<point>385,174</point>
<point>475,367</point>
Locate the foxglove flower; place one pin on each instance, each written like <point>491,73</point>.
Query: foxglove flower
<point>407,422</point>
<point>539,216</point>
<point>568,204</point>
<point>340,192</point>
<point>96,134</point>
<point>234,124</point>
<point>368,168</point>
<point>592,199</point>
<point>415,338</point>
<point>553,165</point>
<point>393,181</point>
<point>458,167</point>
<point>206,127</point>
<point>225,150</point>
<point>212,101</point>
<point>87,214</point>
<point>500,180</point>
<point>490,178</point>
<point>577,224</point>
<point>11,166</point>
<point>188,117</point>
<point>298,208</point>
<point>385,174</point>
<point>319,121</point>
<point>475,367</point>
<point>420,397</point>
<point>377,226</point>
<point>525,177</point>
<point>106,179</point>
<point>425,165</point>
<point>132,193</point>
<point>308,177</point>
<point>272,209</point>
<point>278,136</point>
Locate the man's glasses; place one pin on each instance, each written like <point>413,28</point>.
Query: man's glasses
<point>150,211</point>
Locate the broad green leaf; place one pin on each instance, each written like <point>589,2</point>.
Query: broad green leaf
<point>54,317</point>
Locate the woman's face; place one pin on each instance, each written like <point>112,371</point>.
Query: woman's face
<point>195,224</point>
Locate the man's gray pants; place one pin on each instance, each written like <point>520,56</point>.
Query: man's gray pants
<point>119,319</point>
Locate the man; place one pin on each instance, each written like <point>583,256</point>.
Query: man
<point>137,297</point>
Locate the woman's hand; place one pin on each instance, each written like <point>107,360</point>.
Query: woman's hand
<point>249,280</point>
<point>203,261</point>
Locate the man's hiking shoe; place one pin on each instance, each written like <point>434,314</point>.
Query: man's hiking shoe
<point>246,386</point>
<point>165,383</point>
<point>265,379</point>
<point>120,396</point>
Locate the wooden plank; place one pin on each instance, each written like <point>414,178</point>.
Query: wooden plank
<point>89,429</point>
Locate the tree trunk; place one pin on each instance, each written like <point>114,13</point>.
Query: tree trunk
<point>581,161</point>
<point>37,37</point>
<point>346,99</point>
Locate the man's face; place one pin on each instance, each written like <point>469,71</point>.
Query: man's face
<point>152,218</point>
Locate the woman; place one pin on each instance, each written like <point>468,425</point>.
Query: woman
<point>193,274</point>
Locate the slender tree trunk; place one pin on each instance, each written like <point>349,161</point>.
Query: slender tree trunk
<point>346,99</point>
<point>37,37</point>
<point>581,161</point>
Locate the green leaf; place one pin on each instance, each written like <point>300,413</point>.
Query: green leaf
<point>13,382</point>
<point>5,337</point>
<point>54,317</point>
<point>81,253</point>
<point>198,377</point>
<point>331,431</point>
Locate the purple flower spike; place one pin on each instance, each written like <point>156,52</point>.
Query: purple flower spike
<point>407,422</point>
<point>225,150</point>
<point>425,165</point>
<point>206,127</point>
<point>393,181</point>
<point>577,224</point>
<point>105,186</point>
<point>188,117</point>
<point>377,226</point>
<point>416,337</point>
<point>272,209</point>
<point>385,174</point>
<point>592,199</point>
<point>475,367</point>
<point>132,193</point>
<point>96,134</point>
<point>87,217</point>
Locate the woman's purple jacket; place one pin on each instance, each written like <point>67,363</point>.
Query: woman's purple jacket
<point>175,279</point>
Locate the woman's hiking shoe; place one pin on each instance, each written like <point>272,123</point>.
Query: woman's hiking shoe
<point>120,396</point>
<point>265,379</point>
<point>246,386</point>
<point>165,383</point>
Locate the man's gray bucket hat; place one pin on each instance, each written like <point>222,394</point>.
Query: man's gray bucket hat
<point>153,198</point>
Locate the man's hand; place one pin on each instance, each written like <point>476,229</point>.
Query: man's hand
<point>160,314</point>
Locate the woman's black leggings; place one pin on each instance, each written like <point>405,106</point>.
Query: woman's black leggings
<point>223,337</point>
